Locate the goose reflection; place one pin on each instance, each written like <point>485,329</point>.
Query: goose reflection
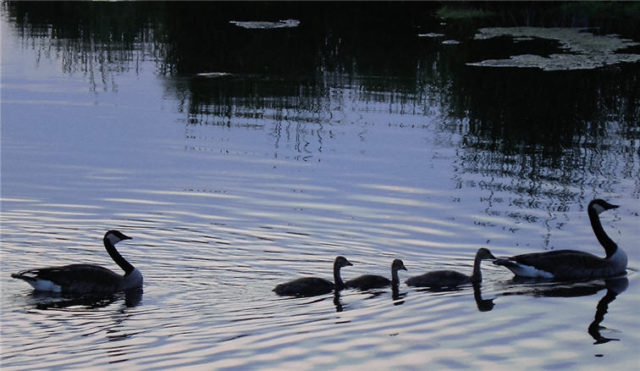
<point>337,302</point>
<point>396,295</point>
<point>484,305</point>
<point>614,287</point>
<point>48,300</point>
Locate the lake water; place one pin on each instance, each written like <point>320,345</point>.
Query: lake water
<point>299,142</point>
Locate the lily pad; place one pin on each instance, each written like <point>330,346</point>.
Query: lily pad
<point>431,35</point>
<point>213,75</point>
<point>450,42</point>
<point>584,50</point>
<point>265,25</point>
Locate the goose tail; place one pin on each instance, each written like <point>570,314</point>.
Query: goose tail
<point>23,276</point>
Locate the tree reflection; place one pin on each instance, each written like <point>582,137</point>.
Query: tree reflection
<point>526,132</point>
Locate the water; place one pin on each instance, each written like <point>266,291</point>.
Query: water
<point>232,183</point>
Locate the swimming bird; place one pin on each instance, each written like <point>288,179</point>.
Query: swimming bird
<point>86,278</point>
<point>449,278</point>
<point>372,281</point>
<point>311,286</point>
<point>572,264</point>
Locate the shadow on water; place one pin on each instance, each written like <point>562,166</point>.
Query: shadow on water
<point>537,288</point>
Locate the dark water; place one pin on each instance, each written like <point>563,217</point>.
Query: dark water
<point>241,157</point>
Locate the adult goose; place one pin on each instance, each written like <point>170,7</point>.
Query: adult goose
<point>451,279</point>
<point>86,278</point>
<point>311,286</point>
<point>571,264</point>
<point>372,281</point>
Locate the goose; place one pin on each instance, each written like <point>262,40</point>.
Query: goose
<point>311,286</point>
<point>450,279</point>
<point>571,264</point>
<point>86,278</point>
<point>372,281</point>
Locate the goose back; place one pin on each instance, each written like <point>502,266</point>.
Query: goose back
<point>439,279</point>
<point>368,281</point>
<point>74,278</point>
<point>562,265</point>
<point>372,281</point>
<point>311,286</point>
<point>305,286</point>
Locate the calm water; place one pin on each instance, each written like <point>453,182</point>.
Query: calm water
<point>321,141</point>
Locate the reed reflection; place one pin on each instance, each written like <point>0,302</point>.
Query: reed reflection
<point>520,135</point>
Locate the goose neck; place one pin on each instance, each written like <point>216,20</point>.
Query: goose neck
<point>394,276</point>
<point>610,247</point>
<point>476,276</point>
<point>336,277</point>
<point>117,258</point>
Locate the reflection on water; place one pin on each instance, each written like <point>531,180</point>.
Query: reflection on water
<point>48,300</point>
<point>239,158</point>
<point>614,287</point>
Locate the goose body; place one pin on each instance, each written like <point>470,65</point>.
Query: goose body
<point>372,281</point>
<point>449,278</point>
<point>572,264</point>
<point>86,278</point>
<point>311,286</point>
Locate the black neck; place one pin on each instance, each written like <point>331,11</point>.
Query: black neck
<point>609,246</point>
<point>394,276</point>
<point>336,277</point>
<point>115,255</point>
<point>476,276</point>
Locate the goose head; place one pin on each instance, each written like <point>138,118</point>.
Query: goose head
<point>484,254</point>
<point>341,261</point>
<point>397,265</point>
<point>600,206</point>
<point>114,237</point>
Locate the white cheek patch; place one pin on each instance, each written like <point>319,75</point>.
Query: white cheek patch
<point>113,239</point>
<point>599,209</point>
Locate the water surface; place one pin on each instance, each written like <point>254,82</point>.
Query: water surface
<point>247,157</point>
